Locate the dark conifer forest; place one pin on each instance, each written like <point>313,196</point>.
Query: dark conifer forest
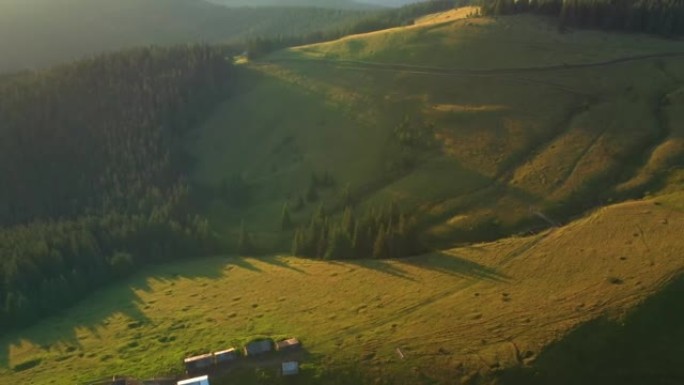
<point>663,17</point>
<point>92,172</point>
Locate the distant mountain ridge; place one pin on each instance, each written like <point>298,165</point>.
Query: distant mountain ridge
<point>40,33</point>
<point>336,4</point>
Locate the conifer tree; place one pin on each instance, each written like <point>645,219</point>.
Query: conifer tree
<point>285,218</point>
<point>312,193</point>
<point>346,197</point>
<point>380,245</point>
<point>245,245</point>
<point>298,243</point>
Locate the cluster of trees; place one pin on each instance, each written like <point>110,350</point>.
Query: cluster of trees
<point>384,233</point>
<point>49,265</point>
<point>416,135</point>
<point>91,165</point>
<point>665,17</point>
<point>375,21</point>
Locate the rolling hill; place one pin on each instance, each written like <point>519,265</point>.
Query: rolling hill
<point>483,127</point>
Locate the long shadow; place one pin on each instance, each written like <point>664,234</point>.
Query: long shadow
<point>647,347</point>
<point>382,266</point>
<point>242,263</point>
<point>60,332</point>
<point>447,263</point>
<point>279,262</point>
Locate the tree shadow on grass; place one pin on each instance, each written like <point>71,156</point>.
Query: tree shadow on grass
<point>280,262</point>
<point>448,263</point>
<point>647,347</point>
<point>59,333</point>
<point>388,267</point>
<point>242,263</point>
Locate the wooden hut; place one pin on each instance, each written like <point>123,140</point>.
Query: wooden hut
<point>225,356</point>
<point>198,363</point>
<point>256,348</point>
<point>288,345</point>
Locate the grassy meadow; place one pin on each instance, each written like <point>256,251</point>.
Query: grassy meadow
<point>508,118</point>
<point>456,315</point>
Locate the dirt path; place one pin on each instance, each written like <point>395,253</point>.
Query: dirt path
<point>428,70</point>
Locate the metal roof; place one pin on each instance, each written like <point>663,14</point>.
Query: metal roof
<point>198,358</point>
<point>288,343</point>
<point>291,367</point>
<point>257,347</point>
<point>227,351</point>
<point>197,380</point>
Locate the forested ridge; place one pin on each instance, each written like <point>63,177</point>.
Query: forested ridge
<point>92,172</point>
<point>664,17</point>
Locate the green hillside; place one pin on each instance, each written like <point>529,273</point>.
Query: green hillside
<point>463,315</point>
<point>482,127</point>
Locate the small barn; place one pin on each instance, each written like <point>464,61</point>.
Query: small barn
<point>203,380</point>
<point>290,368</point>
<point>256,348</point>
<point>288,345</point>
<point>225,356</point>
<point>198,363</point>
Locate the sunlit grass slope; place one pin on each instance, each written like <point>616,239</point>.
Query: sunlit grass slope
<point>516,119</point>
<point>453,39</point>
<point>457,315</point>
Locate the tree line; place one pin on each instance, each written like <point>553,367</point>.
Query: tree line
<point>663,17</point>
<point>92,172</point>
<point>378,233</point>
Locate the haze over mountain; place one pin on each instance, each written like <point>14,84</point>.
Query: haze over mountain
<point>39,33</point>
<point>336,4</point>
<point>390,3</point>
<point>339,4</point>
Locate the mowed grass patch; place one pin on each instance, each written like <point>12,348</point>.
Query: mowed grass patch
<point>454,313</point>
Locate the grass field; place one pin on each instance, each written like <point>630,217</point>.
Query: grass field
<point>459,314</point>
<point>519,119</point>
